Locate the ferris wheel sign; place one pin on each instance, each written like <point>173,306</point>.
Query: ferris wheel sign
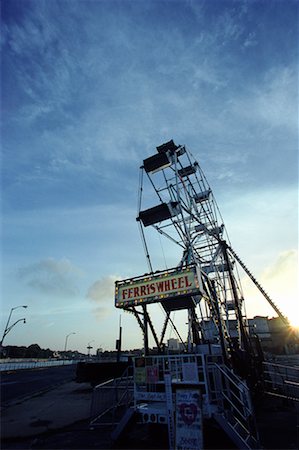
<point>167,285</point>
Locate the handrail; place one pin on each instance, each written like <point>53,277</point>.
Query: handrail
<point>232,398</point>
<point>268,363</point>
<point>104,383</point>
<point>281,375</point>
<point>233,405</point>
<point>281,380</point>
<point>231,379</point>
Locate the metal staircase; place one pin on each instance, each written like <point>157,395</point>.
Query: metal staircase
<point>241,437</point>
<point>235,414</point>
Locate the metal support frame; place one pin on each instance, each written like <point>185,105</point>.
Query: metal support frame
<point>197,229</point>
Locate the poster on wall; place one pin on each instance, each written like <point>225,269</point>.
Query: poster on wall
<point>152,374</point>
<point>188,427</point>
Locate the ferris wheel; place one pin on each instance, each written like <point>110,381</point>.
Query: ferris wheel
<point>187,216</point>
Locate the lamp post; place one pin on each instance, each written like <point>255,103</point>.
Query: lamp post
<point>9,327</point>
<point>89,347</point>
<point>66,339</point>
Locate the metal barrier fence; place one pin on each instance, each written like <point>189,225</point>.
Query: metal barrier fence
<point>281,380</point>
<point>110,395</point>
<point>9,366</point>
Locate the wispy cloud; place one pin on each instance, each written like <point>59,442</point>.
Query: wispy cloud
<point>91,88</point>
<point>190,76</point>
<point>272,101</point>
<point>101,293</point>
<point>51,277</point>
<point>250,40</point>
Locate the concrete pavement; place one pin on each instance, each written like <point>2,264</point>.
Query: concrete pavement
<point>59,418</point>
<point>51,410</point>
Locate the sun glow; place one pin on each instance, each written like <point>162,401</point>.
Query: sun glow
<point>280,281</point>
<point>294,321</point>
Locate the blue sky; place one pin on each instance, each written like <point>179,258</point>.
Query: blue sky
<point>89,89</point>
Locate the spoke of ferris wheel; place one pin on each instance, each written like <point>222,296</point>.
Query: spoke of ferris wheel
<point>160,230</point>
<point>184,237</point>
<point>171,189</point>
<point>187,233</point>
<point>140,189</point>
<point>145,248</point>
<point>204,227</point>
<point>206,185</point>
<point>211,245</point>
<point>179,181</point>
<point>187,209</point>
<point>185,221</point>
<point>176,225</point>
<point>153,185</point>
<point>205,207</point>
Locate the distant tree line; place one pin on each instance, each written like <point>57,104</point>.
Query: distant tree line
<point>33,351</point>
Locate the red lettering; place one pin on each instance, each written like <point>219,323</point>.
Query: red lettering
<point>124,294</point>
<point>136,291</point>
<point>130,290</point>
<point>143,290</point>
<point>181,283</point>
<point>173,284</point>
<point>160,286</point>
<point>167,285</point>
<point>152,288</point>
<point>186,282</point>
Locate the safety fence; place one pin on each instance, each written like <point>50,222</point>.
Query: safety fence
<point>12,366</point>
<point>281,380</point>
<point>109,396</point>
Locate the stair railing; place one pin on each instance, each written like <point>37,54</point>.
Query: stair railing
<point>235,405</point>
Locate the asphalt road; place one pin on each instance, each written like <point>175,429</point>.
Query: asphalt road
<point>22,383</point>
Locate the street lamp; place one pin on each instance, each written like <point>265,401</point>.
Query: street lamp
<point>9,327</point>
<point>89,347</point>
<point>66,339</point>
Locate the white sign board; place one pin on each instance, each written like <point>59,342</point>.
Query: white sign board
<point>190,372</point>
<point>188,430</point>
<point>153,288</point>
<point>150,396</point>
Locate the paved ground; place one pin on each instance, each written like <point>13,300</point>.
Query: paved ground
<point>59,419</point>
<point>57,408</point>
<point>278,423</point>
<point>24,383</point>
